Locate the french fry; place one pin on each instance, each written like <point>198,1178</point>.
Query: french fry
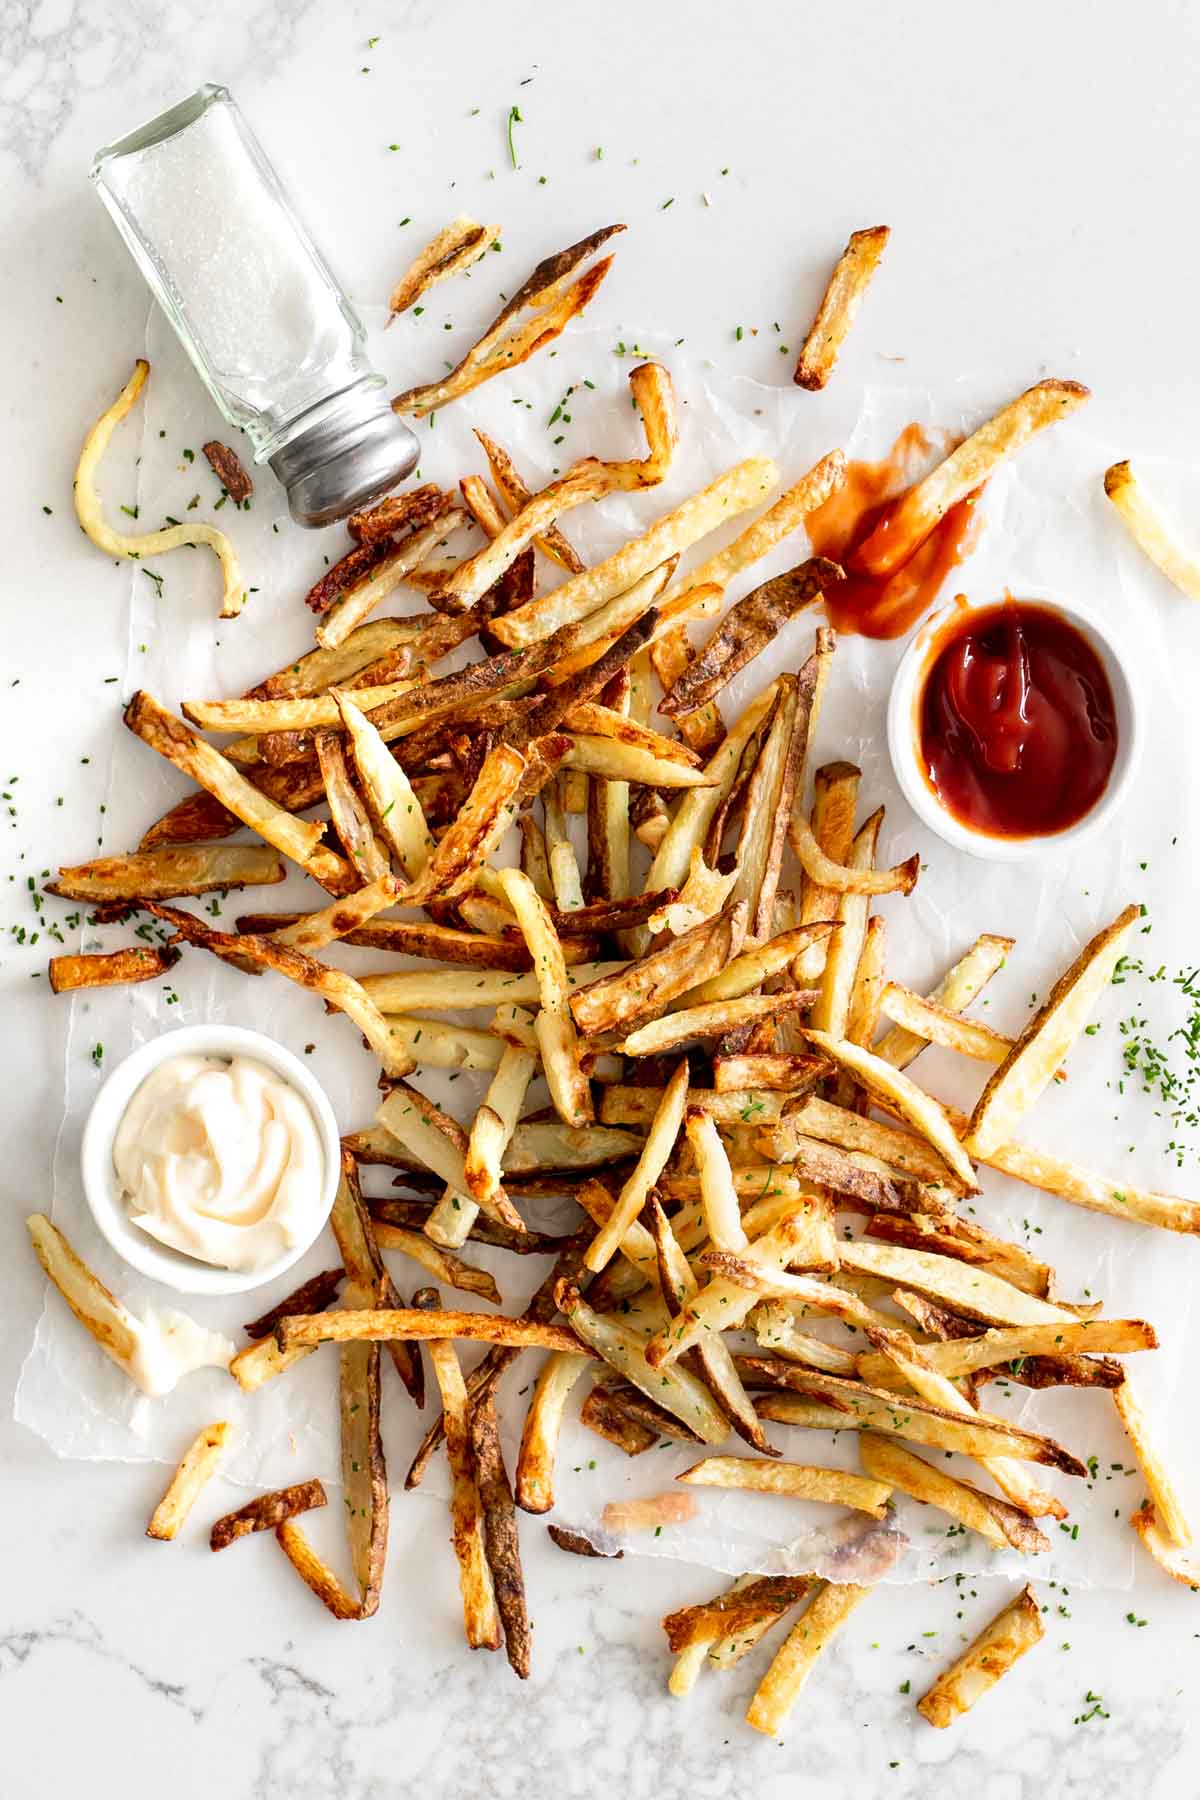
<point>840,878</point>
<point>909,522</point>
<point>551,303</point>
<point>660,1142</point>
<point>839,306</point>
<point>347,812</point>
<point>398,817</point>
<point>543,1426</point>
<point>799,1480</point>
<point>576,1544</point>
<point>771,527</point>
<point>482,821</point>
<point>207,767</point>
<point>314,1573</point>
<point>664,1035</point>
<point>1031,1063</point>
<point>463,586</point>
<point>162,874</point>
<point>767,803</point>
<point>901,1150</point>
<point>317,1292</point>
<point>455,247</point>
<point>500,1540</point>
<point>517,495</point>
<point>997,1521</point>
<point>496,1119</point>
<point>938,1390</point>
<point>805,1292</point>
<point>967,1242</point>
<point>1170,1558</point>
<point>554,1025</point>
<point>441,1144</point>
<point>565,878</point>
<point>644,988</point>
<point>992,1654</point>
<point>963,1286</point>
<point>721,1305</point>
<point>830,1403</point>
<point>675,1389</point>
<point>1149,530</point>
<point>777,1332</point>
<point>261,1362</point>
<point>199,1465</point>
<point>403,1323</point>
<point>678,1285</point>
<point>613,760</point>
<point>481,1618</point>
<point>622,1105</point>
<point>939,1025</point>
<point>855,1177</point>
<point>400,558</point>
<point>831,1011</point>
<point>746,630</point>
<point>757,964</point>
<point>345,915</point>
<point>90,513</point>
<point>785,1072</point>
<point>722,1212</point>
<point>780,1687</point>
<point>440,1263</point>
<point>953,993</point>
<point>1003,1347</point>
<point>835,801</point>
<point>419,990</point>
<point>895,1089</point>
<point>610,1419</point>
<point>733,492</point>
<point>266,1512</point>
<point>70,973</point>
<point>100,1313</point>
<point>1172,1520</point>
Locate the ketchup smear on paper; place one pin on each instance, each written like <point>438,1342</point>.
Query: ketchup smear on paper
<point>1018,730</point>
<point>886,606</point>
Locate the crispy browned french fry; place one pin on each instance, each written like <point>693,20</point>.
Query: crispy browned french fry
<point>998,1521</point>
<point>266,1512</point>
<point>940,1025</point>
<point>396,559</point>
<point>675,1389</point>
<point>439,1263</point>
<point>605,1414</point>
<point>644,988</point>
<point>455,247</point>
<point>839,306</point>
<point>907,524</point>
<point>314,1573</point>
<point>311,1296</point>
<point>963,1286</point>
<point>842,879</point>
<point>1006,1347</point>
<point>890,1085</point>
<point>481,1617</point>
<point>831,1013</point>
<point>441,1145</point>
<point>500,1540</point>
<point>397,814</point>
<point>999,1645</point>
<point>118,967</point>
<point>552,304</point>
<point>747,629</point>
<point>661,1036</point>
<point>386,1323</point>
<point>1150,531</point>
<point>746,1610</point>
<point>783,1071</point>
<point>206,766</point>
<point>162,874</point>
<point>90,513</point>
<point>367,856</point>
<point>1031,1063</point>
<point>967,1242</point>
<point>660,1142</point>
<point>98,1311</point>
<point>517,495</point>
<point>901,1150</point>
<point>835,801</point>
<point>198,1466</point>
<point>801,1480</point>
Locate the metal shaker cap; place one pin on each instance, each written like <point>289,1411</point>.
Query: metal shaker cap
<point>354,450</point>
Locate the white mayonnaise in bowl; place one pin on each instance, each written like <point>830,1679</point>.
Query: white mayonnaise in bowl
<point>210,1159</point>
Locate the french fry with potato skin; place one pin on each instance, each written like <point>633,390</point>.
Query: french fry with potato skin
<point>199,1465</point>
<point>745,631</point>
<point>517,495</point>
<point>999,1645</point>
<point>780,1687</point>
<point>664,1035</point>
<point>554,1025</point>
<point>266,1512</point>
<point>500,1541</point>
<point>678,1390</point>
<point>834,804</point>
<point>656,1152</point>
<point>163,874</point>
<point>455,247</point>
<point>315,1574</point>
<point>954,993</point>
<point>895,1089</point>
<point>644,988</point>
<point>799,1480</point>
<point>999,1522</point>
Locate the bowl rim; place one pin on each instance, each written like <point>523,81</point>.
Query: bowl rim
<point>902,735</point>
<point>159,1262</point>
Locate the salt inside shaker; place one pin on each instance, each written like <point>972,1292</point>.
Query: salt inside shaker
<point>255,305</point>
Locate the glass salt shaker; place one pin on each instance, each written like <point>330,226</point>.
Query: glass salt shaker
<point>256,307</point>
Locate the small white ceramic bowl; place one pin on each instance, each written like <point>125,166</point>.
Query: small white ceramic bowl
<point>171,1267</point>
<point>904,740</point>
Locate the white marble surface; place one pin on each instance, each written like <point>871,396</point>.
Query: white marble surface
<point>1038,164</point>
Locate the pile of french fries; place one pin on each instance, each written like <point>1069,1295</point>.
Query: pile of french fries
<point>729,1067</point>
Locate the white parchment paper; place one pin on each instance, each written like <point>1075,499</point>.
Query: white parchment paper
<point>1046,524</point>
